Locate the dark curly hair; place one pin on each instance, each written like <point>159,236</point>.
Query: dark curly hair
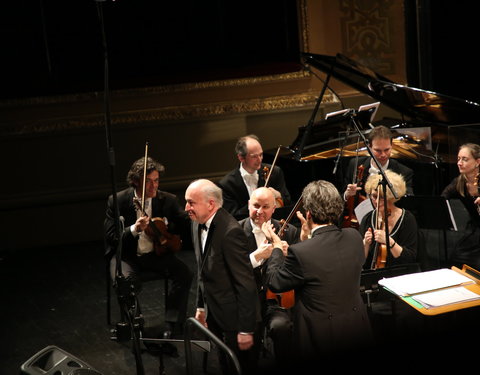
<point>135,174</point>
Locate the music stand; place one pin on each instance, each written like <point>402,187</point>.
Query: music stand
<point>431,212</point>
<point>369,279</point>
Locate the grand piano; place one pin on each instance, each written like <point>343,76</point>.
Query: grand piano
<point>428,131</point>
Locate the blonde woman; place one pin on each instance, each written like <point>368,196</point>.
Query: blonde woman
<point>402,226</point>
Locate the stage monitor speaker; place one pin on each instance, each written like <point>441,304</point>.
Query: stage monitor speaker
<point>55,361</point>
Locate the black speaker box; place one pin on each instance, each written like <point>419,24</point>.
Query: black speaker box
<point>55,361</point>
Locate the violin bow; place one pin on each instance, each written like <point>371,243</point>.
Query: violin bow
<point>271,167</point>
<point>354,177</point>
<point>289,217</point>
<point>144,176</point>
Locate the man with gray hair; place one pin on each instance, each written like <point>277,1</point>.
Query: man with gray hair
<point>330,318</point>
<point>227,301</point>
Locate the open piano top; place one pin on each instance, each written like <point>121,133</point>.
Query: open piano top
<point>430,129</point>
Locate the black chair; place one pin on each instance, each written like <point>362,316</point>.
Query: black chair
<point>143,278</point>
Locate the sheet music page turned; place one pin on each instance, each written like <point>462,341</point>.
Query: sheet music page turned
<point>421,282</point>
<point>446,296</point>
<point>362,209</point>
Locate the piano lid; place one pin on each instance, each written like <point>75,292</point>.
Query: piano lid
<point>413,102</point>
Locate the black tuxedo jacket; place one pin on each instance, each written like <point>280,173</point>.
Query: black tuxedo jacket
<point>226,285</point>
<point>291,235</point>
<point>393,165</point>
<point>325,273</point>
<point>235,193</point>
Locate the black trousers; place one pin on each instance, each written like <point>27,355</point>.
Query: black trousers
<point>153,267</point>
<point>248,359</point>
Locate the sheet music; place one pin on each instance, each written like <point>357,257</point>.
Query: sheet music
<point>366,107</point>
<point>414,283</point>
<point>446,297</point>
<point>362,209</point>
<point>336,113</point>
<point>454,223</point>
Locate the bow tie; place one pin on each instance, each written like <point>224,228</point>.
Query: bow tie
<point>203,227</point>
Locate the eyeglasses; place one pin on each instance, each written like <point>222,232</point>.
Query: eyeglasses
<point>256,156</point>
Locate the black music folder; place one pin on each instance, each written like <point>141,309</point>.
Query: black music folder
<point>431,211</point>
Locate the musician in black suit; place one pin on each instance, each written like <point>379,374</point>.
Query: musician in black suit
<point>239,183</point>
<point>140,252</point>
<point>276,316</point>
<point>227,301</point>
<point>330,318</point>
<point>380,141</point>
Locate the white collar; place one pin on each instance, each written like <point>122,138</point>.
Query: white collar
<point>318,227</point>
<point>244,172</point>
<point>373,167</point>
<point>256,228</point>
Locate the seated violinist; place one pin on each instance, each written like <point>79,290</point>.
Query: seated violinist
<point>402,226</point>
<point>144,248</point>
<point>380,141</point>
<point>238,184</point>
<point>276,314</point>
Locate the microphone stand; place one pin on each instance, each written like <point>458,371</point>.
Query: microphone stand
<point>124,287</point>
<point>339,155</point>
<point>384,181</point>
<point>131,325</point>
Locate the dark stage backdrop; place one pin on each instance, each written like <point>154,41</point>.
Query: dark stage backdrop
<point>441,46</point>
<point>55,47</point>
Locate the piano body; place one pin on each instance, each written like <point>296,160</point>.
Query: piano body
<point>428,133</point>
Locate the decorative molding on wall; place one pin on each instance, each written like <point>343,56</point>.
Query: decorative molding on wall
<point>367,33</point>
<point>189,101</point>
<point>164,114</point>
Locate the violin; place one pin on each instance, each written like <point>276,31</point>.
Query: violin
<point>350,219</point>
<point>285,299</point>
<point>266,175</point>
<point>379,259</point>
<point>163,240</point>
<point>477,180</point>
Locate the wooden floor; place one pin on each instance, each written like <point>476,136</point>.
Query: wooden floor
<point>57,296</point>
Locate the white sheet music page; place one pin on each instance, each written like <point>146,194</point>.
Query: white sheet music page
<point>420,282</point>
<point>363,208</point>
<point>446,296</point>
